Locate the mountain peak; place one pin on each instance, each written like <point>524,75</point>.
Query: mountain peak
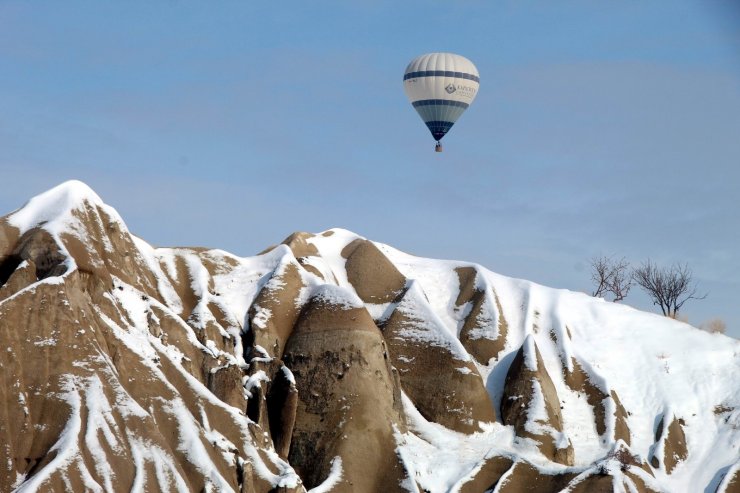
<point>52,209</point>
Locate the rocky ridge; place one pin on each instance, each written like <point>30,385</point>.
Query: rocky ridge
<point>333,363</point>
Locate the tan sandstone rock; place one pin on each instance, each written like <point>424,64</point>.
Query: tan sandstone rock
<point>436,373</point>
<point>347,395</point>
<point>530,403</point>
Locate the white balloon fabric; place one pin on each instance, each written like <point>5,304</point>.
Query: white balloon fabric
<point>441,86</point>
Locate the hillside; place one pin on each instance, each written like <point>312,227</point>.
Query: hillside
<point>333,363</point>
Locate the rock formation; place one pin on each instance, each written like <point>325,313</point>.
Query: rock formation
<point>347,394</point>
<point>333,362</point>
<point>670,443</point>
<point>600,401</point>
<point>484,329</point>
<point>530,403</point>
<point>437,374</point>
<point>372,275</point>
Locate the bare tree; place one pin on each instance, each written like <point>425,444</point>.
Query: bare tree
<point>669,288</point>
<point>600,272</point>
<point>621,281</point>
<point>611,276</point>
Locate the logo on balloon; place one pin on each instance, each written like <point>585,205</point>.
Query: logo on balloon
<point>450,88</point>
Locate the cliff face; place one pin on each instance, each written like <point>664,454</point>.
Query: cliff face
<point>335,363</point>
<point>121,368</point>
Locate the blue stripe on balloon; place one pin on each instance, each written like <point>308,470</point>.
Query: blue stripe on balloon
<point>441,73</point>
<point>444,102</point>
<point>438,128</point>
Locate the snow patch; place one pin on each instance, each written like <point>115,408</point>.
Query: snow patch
<point>333,479</point>
<point>337,296</point>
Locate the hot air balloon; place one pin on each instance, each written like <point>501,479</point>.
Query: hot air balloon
<point>440,86</point>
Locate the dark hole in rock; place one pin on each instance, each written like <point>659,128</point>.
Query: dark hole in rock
<point>7,267</point>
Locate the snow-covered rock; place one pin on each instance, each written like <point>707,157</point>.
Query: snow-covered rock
<point>339,363</point>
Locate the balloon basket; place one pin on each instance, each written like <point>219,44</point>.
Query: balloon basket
<point>438,147</point>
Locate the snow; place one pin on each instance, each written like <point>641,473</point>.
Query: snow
<point>530,354</point>
<point>380,311</point>
<point>56,211</point>
<point>255,380</point>
<point>22,401</point>
<point>66,448</point>
<point>152,258</point>
<point>240,285</point>
<point>536,412</point>
<point>288,375</point>
<point>423,326</point>
<point>337,296</point>
<point>31,288</point>
<point>729,473</point>
<point>330,250</point>
<point>149,348</point>
<point>261,316</point>
<point>333,479</point>
<point>54,207</point>
<point>191,445</point>
<point>650,361</point>
<point>49,341</point>
<point>100,420</point>
<point>441,460</point>
<point>166,471</point>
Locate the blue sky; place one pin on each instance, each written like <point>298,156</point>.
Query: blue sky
<point>600,128</point>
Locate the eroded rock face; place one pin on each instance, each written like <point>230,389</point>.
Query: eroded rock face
<point>521,476</point>
<point>524,477</point>
<point>641,482</point>
<point>488,476</point>
<point>103,384</point>
<point>595,484</point>
<point>484,329</point>
<point>299,245</point>
<point>41,251</point>
<point>100,243</point>
<point>226,383</point>
<point>619,470</point>
<point>272,400</point>
<point>670,443</point>
<point>282,406</point>
<point>373,276</point>
<point>530,403</point>
<point>436,372</point>
<point>143,402</point>
<point>577,379</point>
<point>347,394</point>
<point>275,311</point>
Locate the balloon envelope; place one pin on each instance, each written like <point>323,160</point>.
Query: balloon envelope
<point>441,86</point>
